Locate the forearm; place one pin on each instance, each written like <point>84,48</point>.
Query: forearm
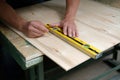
<point>71,9</point>
<point>9,15</point>
<point>31,29</point>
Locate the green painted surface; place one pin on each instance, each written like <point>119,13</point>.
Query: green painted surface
<point>16,54</point>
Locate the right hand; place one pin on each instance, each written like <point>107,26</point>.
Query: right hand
<point>34,29</point>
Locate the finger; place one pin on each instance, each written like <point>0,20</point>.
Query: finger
<point>40,33</point>
<point>43,28</point>
<point>35,30</point>
<point>40,28</point>
<point>76,33</point>
<point>73,33</point>
<point>70,32</point>
<point>65,29</point>
<point>34,34</point>
<point>55,24</point>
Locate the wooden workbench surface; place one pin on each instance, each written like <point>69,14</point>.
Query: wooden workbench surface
<point>98,25</point>
<point>28,52</point>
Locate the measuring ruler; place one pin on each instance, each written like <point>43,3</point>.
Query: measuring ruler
<point>76,42</point>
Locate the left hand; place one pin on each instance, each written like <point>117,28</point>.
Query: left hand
<point>68,26</point>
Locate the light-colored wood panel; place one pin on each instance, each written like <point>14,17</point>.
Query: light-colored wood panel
<point>100,20</point>
<point>27,51</point>
<point>59,51</point>
<point>97,24</point>
<point>96,37</point>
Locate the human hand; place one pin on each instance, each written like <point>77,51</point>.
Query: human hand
<point>68,26</point>
<point>34,29</point>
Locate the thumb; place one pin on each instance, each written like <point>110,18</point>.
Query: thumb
<point>55,24</point>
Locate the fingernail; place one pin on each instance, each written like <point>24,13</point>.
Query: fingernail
<point>65,33</point>
<point>70,35</point>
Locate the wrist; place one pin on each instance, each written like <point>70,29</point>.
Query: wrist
<point>21,25</point>
<point>69,17</point>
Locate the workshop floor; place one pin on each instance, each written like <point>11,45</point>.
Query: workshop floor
<point>90,71</point>
<point>87,72</point>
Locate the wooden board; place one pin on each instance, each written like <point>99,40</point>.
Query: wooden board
<point>27,51</point>
<point>97,24</point>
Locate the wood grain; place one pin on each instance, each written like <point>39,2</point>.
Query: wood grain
<point>27,51</point>
<point>97,24</point>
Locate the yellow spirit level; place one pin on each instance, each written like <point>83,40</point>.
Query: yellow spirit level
<point>76,42</point>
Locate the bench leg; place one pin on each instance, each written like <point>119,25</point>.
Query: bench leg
<point>113,61</point>
<point>35,72</point>
<point>32,73</point>
<point>40,71</point>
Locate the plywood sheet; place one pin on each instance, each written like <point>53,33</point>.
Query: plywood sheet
<point>27,51</point>
<point>97,24</point>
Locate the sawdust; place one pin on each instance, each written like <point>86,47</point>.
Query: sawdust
<point>113,3</point>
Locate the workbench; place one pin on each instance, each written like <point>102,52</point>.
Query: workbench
<point>97,24</point>
<point>27,56</point>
